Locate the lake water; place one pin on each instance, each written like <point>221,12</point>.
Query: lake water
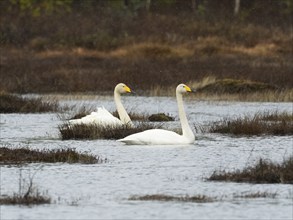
<point>101,191</point>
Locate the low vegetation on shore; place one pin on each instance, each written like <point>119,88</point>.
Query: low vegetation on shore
<point>262,172</point>
<point>177,43</point>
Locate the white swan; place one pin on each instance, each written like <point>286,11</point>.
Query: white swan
<point>102,117</point>
<point>164,137</point>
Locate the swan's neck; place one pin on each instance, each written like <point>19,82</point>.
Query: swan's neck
<point>186,130</point>
<point>124,117</point>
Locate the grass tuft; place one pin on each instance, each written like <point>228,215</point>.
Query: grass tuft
<point>33,199</point>
<point>26,155</point>
<point>262,172</point>
<point>271,123</point>
<point>93,131</point>
<point>256,195</point>
<point>160,117</point>
<point>165,198</point>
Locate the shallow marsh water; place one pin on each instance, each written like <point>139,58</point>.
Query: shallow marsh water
<point>101,191</point>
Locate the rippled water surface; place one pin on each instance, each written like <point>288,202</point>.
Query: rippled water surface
<point>101,191</point>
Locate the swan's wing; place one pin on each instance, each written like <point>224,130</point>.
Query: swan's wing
<point>154,137</point>
<point>101,117</point>
<point>88,119</point>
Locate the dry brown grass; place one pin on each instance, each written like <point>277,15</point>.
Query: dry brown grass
<point>152,63</point>
<point>166,198</point>
<point>26,155</point>
<point>93,131</point>
<point>262,172</point>
<point>170,48</point>
<point>269,123</point>
<point>33,199</point>
<point>256,195</point>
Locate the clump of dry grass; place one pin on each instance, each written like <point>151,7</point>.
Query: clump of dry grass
<point>133,115</point>
<point>93,131</point>
<point>160,117</point>
<point>29,196</point>
<point>256,195</point>
<point>16,104</point>
<point>26,155</point>
<point>262,172</point>
<point>33,199</point>
<point>165,198</point>
<point>261,123</point>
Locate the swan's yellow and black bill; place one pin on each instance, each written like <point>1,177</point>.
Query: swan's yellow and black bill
<point>188,89</point>
<point>127,89</point>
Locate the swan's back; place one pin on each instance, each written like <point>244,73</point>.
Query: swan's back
<point>101,117</point>
<point>155,137</point>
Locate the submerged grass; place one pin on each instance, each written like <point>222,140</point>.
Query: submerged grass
<point>164,198</point>
<point>271,123</point>
<point>262,172</point>
<point>93,131</point>
<point>16,104</point>
<point>26,155</point>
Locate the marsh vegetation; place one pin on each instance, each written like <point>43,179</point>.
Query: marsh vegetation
<point>244,53</point>
<point>94,131</point>
<point>25,155</point>
<point>166,198</point>
<point>263,171</point>
<point>266,123</point>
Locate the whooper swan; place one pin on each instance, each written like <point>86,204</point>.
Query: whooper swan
<point>103,117</point>
<point>165,137</point>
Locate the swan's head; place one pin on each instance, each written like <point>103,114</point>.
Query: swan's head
<point>182,88</point>
<point>122,88</point>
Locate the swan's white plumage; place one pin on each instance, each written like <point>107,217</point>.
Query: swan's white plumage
<point>164,137</point>
<point>156,137</point>
<point>102,117</point>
